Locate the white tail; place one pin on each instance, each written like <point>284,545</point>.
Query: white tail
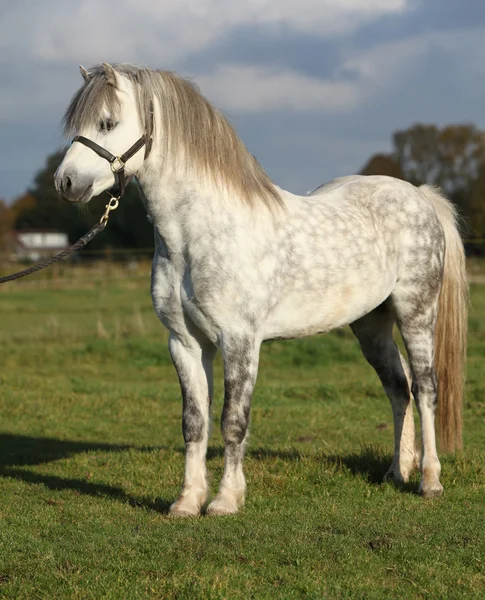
<point>451,326</point>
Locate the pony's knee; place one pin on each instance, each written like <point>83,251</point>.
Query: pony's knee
<point>235,423</point>
<point>193,422</point>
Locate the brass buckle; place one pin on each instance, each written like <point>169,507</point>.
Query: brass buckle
<point>112,205</point>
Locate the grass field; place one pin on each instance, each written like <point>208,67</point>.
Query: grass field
<point>91,456</point>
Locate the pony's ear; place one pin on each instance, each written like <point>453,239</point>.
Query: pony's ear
<point>84,72</point>
<point>110,73</point>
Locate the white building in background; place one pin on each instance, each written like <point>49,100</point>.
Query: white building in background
<point>34,244</point>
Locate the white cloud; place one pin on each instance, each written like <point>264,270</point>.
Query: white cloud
<point>363,76</point>
<point>47,42</point>
<point>95,31</point>
<point>134,30</point>
<point>251,89</point>
<point>394,62</point>
<point>213,18</point>
<point>436,76</point>
<point>387,61</point>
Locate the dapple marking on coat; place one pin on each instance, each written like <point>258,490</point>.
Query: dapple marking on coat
<point>239,261</point>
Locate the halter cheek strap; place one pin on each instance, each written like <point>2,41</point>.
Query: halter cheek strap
<point>117,162</point>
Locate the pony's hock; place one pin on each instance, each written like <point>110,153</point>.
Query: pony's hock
<point>239,261</point>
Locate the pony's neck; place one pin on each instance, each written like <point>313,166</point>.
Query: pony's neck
<point>198,159</point>
<point>184,209</point>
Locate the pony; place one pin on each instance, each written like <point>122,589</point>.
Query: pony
<point>239,261</point>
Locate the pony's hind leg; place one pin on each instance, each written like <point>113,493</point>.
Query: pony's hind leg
<point>416,317</point>
<point>194,368</point>
<point>240,356</point>
<point>374,332</point>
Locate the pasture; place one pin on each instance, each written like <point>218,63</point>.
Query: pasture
<point>91,456</point>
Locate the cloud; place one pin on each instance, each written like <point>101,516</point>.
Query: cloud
<point>129,30</point>
<point>437,57</point>
<point>41,44</point>
<point>313,86</point>
<point>362,77</point>
<point>249,89</point>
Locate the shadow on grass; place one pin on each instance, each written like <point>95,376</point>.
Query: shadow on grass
<point>17,451</point>
<point>20,450</point>
<point>97,490</point>
<point>371,464</point>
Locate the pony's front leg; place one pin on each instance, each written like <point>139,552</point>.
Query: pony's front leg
<point>240,356</point>
<point>194,368</point>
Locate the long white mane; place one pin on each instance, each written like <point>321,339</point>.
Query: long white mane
<point>195,133</point>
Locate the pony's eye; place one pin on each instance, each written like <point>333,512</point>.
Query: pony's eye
<point>107,125</point>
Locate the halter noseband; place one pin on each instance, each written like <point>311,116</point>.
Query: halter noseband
<point>117,163</point>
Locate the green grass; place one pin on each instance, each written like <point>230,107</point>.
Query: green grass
<point>91,456</point>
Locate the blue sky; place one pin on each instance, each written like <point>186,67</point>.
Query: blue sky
<point>314,87</point>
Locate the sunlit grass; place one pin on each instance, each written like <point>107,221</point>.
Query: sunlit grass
<point>92,456</point>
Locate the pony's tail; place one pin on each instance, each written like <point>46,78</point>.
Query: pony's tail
<point>451,326</point>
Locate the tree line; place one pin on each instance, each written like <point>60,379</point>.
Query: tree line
<point>450,157</point>
<point>42,208</point>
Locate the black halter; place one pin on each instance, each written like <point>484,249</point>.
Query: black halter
<point>117,162</point>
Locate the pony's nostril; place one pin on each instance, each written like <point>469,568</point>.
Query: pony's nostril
<point>68,184</point>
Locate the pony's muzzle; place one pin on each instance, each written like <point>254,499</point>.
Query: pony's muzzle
<point>71,188</point>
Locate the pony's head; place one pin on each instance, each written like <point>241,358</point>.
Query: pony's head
<point>118,105</point>
<point>106,110</point>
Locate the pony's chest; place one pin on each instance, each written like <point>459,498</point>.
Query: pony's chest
<point>165,289</point>
<point>180,294</point>
<point>200,303</point>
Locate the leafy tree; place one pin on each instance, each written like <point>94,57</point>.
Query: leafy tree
<point>450,157</point>
<point>5,224</point>
<point>475,208</point>
<point>382,164</point>
<point>453,158</point>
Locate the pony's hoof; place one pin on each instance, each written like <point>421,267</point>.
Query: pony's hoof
<point>182,514</point>
<point>213,511</point>
<point>395,477</point>
<point>183,510</point>
<point>222,506</point>
<point>434,490</point>
<point>401,469</point>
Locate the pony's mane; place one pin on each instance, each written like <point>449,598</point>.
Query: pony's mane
<point>193,129</point>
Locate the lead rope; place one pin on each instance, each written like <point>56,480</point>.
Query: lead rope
<point>79,245</point>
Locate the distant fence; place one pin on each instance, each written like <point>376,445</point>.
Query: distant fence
<point>89,268</point>
<point>132,267</point>
<point>88,255</point>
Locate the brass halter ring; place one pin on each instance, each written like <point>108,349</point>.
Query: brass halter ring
<point>117,165</point>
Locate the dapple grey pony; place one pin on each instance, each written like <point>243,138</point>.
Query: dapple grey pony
<point>239,261</point>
